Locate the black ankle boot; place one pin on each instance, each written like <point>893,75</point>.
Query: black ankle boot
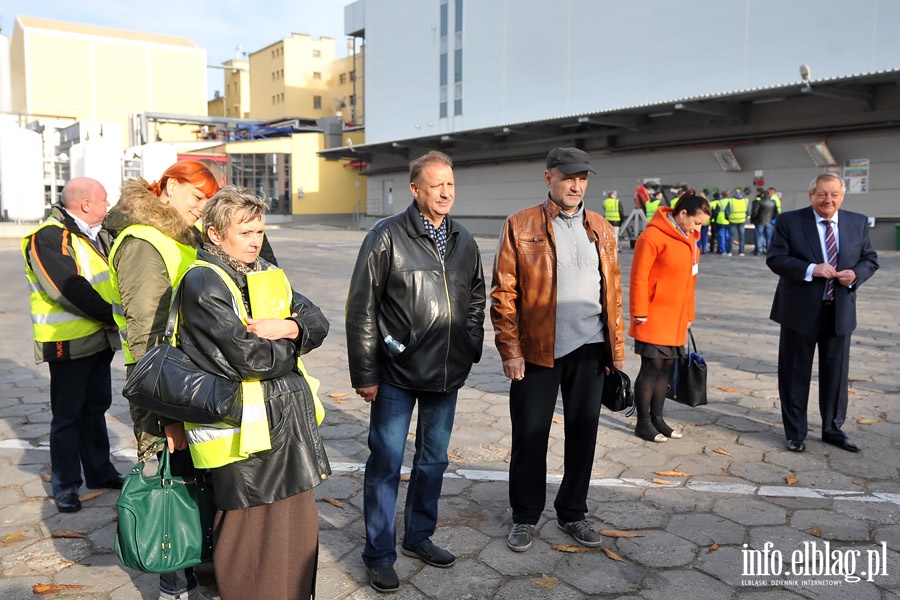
<point>646,431</point>
<point>663,427</point>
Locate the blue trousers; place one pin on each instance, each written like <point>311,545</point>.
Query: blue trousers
<point>763,237</point>
<point>724,233</point>
<point>389,421</point>
<point>737,233</point>
<point>80,395</point>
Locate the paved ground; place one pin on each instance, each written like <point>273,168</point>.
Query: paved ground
<point>739,486</point>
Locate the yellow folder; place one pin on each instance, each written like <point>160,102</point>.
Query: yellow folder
<point>270,294</point>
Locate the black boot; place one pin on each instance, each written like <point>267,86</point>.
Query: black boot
<point>645,430</point>
<point>663,427</point>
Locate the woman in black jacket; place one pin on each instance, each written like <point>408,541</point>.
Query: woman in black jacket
<point>266,533</point>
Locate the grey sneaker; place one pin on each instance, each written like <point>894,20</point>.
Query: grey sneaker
<point>582,531</point>
<point>519,539</point>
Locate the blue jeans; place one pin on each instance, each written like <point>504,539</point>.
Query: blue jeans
<point>389,421</point>
<point>763,237</point>
<point>724,233</point>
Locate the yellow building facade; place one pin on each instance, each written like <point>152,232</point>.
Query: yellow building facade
<point>346,88</point>
<point>290,78</point>
<point>294,180</point>
<point>79,72</point>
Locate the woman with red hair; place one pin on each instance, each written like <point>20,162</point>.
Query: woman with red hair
<point>155,243</point>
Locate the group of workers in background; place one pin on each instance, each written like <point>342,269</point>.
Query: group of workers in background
<point>731,210</point>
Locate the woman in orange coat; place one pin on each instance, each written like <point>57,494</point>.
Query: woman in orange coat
<point>661,299</point>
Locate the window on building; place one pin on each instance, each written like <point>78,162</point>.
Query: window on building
<point>269,175</point>
<point>317,54</point>
<point>343,78</point>
<point>317,75</point>
<point>317,102</point>
<point>353,75</point>
<point>352,99</point>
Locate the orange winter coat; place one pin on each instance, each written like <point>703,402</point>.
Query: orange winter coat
<point>662,282</point>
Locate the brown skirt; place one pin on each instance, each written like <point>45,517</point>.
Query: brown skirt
<point>268,552</point>
<point>655,351</point>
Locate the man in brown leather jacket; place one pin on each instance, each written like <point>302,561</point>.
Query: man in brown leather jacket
<point>556,306</point>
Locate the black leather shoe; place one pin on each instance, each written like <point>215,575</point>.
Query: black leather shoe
<point>796,445</point>
<point>113,483</point>
<point>68,503</point>
<point>843,444</point>
<point>384,579</point>
<point>433,555</point>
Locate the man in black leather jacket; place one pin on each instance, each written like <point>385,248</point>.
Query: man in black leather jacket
<point>415,314</point>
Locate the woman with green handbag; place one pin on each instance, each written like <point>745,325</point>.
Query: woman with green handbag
<point>263,472</point>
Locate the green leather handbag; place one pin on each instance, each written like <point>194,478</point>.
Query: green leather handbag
<point>165,522</point>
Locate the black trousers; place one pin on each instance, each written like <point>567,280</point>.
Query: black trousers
<point>795,360</point>
<point>80,395</point>
<point>532,402</point>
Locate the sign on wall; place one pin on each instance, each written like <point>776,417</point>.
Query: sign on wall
<point>856,175</point>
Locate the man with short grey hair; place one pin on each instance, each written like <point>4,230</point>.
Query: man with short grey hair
<point>556,306</point>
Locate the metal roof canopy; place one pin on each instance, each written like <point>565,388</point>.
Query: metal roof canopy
<point>866,101</point>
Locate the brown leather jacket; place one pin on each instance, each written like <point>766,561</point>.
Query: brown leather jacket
<point>523,291</point>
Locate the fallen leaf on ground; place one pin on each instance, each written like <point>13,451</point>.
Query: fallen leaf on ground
<point>713,548</point>
<point>93,495</point>
<point>662,481</point>
<point>618,533</point>
<point>337,395</point>
<point>558,421</point>
<point>612,554</point>
<point>791,480</point>
<point>453,456</point>
<point>546,582</point>
<point>571,549</point>
<point>13,537</point>
<point>673,474</point>
<point>334,502</point>
<point>45,478</point>
<point>868,420</point>
<point>816,531</point>
<point>66,533</point>
<point>404,477</point>
<point>729,390</point>
<point>46,588</point>
<point>723,452</point>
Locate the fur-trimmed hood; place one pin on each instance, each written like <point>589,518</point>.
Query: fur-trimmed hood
<point>138,206</point>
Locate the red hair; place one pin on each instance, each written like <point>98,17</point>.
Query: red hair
<point>187,171</point>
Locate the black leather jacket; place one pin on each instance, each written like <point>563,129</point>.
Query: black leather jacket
<point>401,287</point>
<point>216,339</point>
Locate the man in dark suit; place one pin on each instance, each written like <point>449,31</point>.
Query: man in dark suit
<point>822,255</point>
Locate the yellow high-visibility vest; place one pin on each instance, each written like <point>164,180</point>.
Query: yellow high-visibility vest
<point>651,207</point>
<point>50,322</point>
<point>738,210</point>
<point>176,256</point>
<point>611,210</point>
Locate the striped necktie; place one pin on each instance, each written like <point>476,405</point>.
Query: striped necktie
<point>831,254</point>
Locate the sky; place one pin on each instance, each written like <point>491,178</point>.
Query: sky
<point>218,27</point>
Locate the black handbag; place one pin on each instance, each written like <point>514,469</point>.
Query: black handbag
<point>617,392</point>
<point>167,382</point>
<point>165,522</point>
<point>687,381</point>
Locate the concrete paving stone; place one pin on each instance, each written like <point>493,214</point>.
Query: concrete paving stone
<point>602,494</point>
<point>683,583</point>
<point>102,573</point>
<point>658,549</point>
<point>19,588</point>
<point>631,515</point>
<point>836,527</point>
<point>784,538</point>
<point>466,580</point>
<point>759,472</point>
<point>333,582</point>
<point>875,513</point>
<point>46,557</point>
<point>800,502</point>
<point>750,511</point>
<point>337,517</point>
<point>725,565</point>
<point>822,479</point>
<point>336,544</point>
<point>463,541</point>
<point>596,574</point>
<point>706,529</point>
<point>887,533</point>
<point>30,511</point>
<point>540,558</point>
<point>679,500</point>
<point>347,450</point>
<point>103,540</point>
<point>85,521</point>
<point>545,587</point>
<point>352,430</point>
<point>745,423</point>
<point>339,486</point>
